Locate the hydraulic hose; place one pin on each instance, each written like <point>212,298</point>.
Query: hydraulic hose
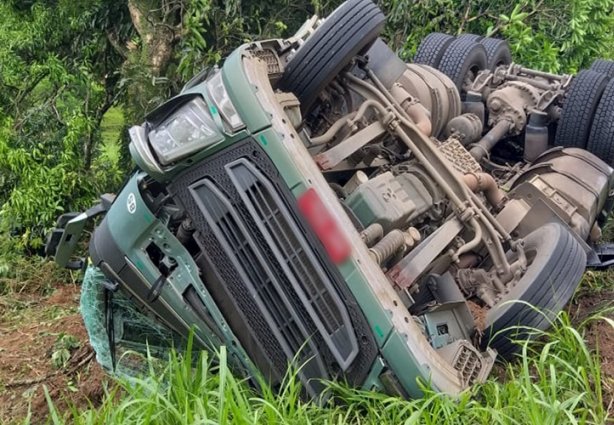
<point>485,183</point>
<point>333,130</point>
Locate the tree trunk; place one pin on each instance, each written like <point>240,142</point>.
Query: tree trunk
<point>157,35</point>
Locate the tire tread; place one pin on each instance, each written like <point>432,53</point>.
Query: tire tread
<point>432,48</point>
<point>604,66</point>
<point>496,48</point>
<point>350,29</point>
<point>453,62</point>
<point>601,138</point>
<point>579,109</point>
<point>549,292</point>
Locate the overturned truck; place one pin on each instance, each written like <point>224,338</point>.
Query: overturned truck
<point>318,201</point>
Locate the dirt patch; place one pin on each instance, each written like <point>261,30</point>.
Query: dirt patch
<point>599,334</point>
<point>67,295</point>
<point>29,338</point>
<point>589,303</point>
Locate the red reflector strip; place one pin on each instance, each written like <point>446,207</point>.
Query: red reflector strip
<point>324,225</point>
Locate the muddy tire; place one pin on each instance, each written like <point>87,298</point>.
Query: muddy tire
<point>498,52</point>
<point>432,48</point>
<point>603,66</point>
<point>579,107</point>
<point>349,30</point>
<point>557,265</point>
<point>461,58</point>
<point>601,138</point>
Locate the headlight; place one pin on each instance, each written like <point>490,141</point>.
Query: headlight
<point>219,95</point>
<point>189,129</point>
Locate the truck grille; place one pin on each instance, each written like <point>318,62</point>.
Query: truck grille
<point>293,253</point>
<point>266,270</point>
<point>265,286</point>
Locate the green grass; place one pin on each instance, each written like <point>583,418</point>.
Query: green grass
<point>596,283</point>
<point>557,381</point>
<point>26,275</point>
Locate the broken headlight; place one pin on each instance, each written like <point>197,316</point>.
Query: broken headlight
<point>188,130</point>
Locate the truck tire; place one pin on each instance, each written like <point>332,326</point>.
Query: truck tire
<point>431,49</point>
<point>604,66</point>
<point>498,52</point>
<point>471,37</point>
<point>557,264</point>
<point>601,138</point>
<point>579,107</point>
<point>349,30</point>
<point>462,57</point>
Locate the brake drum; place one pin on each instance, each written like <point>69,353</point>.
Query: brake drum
<point>435,91</point>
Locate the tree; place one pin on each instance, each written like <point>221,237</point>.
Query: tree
<point>64,64</point>
<point>57,80</point>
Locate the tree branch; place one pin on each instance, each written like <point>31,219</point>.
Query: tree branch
<point>25,92</point>
<point>123,51</point>
<point>465,17</point>
<point>157,36</point>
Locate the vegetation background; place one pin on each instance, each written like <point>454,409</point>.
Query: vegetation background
<point>74,74</point>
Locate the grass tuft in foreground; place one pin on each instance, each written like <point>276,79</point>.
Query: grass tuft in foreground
<point>553,382</point>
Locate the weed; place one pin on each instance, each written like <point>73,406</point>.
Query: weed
<point>555,381</point>
<point>596,281</point>
<point>33,275</point>
<point>62,349</point>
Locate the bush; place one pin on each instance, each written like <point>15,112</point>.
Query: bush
<point>552,35</point>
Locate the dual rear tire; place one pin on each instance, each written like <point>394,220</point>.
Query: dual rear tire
<point>579,108</point>
<point>601,138</point>
<point>587,118</point>
<point>462,57</point>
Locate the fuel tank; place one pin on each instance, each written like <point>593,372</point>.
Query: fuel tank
<point>575,184</point>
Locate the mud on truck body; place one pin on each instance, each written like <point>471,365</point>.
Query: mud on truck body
<point>318,201</point>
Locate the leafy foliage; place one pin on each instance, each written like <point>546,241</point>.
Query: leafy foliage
<point>56,83</point>
<point>552,35</point>
<point>64,64</point>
